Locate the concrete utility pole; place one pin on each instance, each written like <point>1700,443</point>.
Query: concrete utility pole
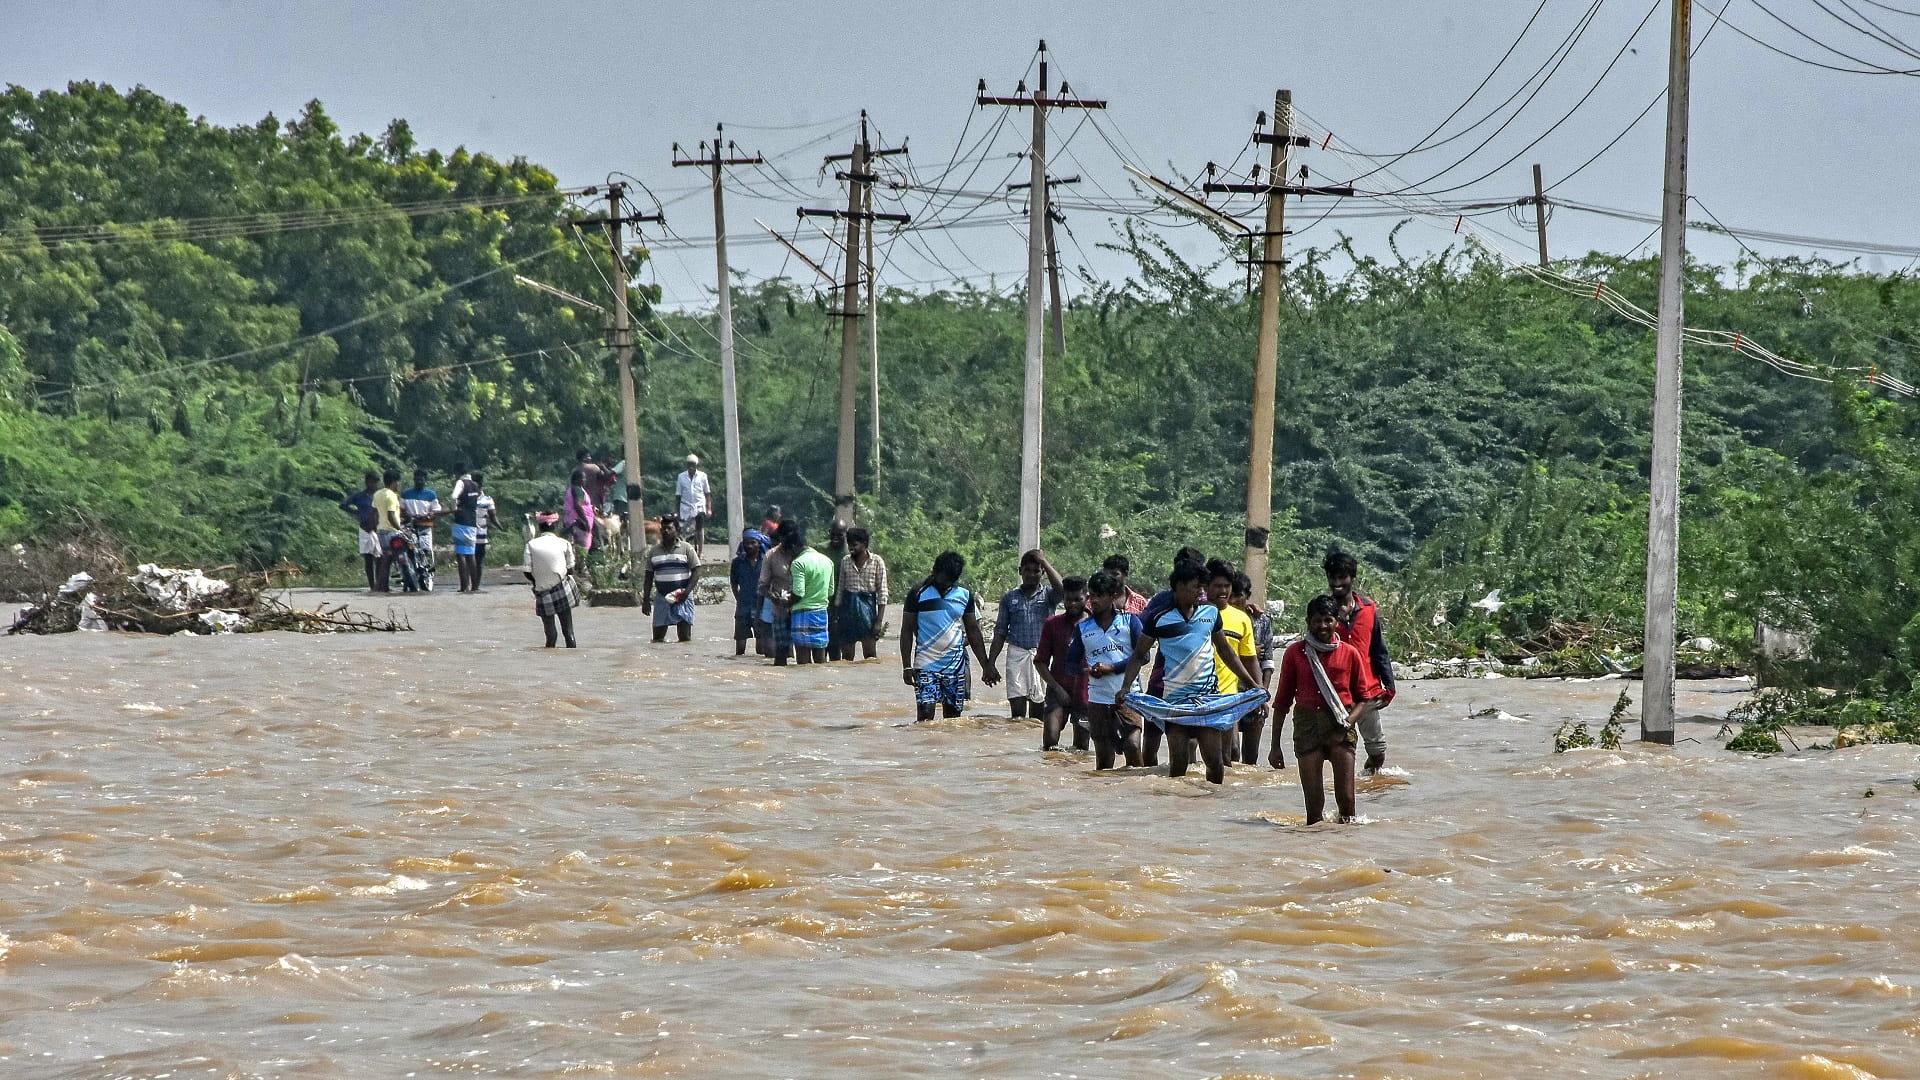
<point>859,176</point>
<point>873,344</point>
<point>1663,510</point>
<point>1266,356</point>
<point>1540,214</point>
<point>1034,398</point>
<point>729,387</point>
<point>1056,326</point>
<point>623,343</point>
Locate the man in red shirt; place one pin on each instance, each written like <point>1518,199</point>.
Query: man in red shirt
<point>1132,603</point>
<point>1358,624</point>
<point>1066,686</point>
<point>1329,686</point>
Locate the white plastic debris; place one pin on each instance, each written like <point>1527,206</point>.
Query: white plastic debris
<point>222,622</point>
<point>76,583</point>
<point>90,616</point>
<point>1704,644</point>
<point>176,590</point>
<point>1490,603</point>
<point>1108,532</point>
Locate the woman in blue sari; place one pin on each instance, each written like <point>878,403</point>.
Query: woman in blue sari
<point>1189,637</point>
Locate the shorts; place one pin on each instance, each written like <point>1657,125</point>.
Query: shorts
<point>810,628</point>
<point>464,537</point>
<point>951,689</point>
<point>1318,731</point>
<point>369,543</point>
<point>1023,678</point>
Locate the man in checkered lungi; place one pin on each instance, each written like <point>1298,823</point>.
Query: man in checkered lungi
<point>550,565</point>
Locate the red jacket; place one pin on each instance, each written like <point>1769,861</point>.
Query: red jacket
<point>1346,669</point>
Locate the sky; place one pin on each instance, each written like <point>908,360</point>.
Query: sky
<point>593,92</point>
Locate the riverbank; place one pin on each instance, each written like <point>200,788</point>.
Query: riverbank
<point>454,850</point>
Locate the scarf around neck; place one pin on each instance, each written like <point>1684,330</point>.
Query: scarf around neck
<point>1316,647</point>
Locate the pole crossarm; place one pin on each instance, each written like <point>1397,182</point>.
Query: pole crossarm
<point>1023,185</point>
<point>859,215</point>
<point>1276,189</point>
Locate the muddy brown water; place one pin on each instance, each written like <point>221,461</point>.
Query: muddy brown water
<point>455,853</point>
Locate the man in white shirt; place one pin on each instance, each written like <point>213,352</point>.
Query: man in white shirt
<point>550,564</point>
<point>696,503</point>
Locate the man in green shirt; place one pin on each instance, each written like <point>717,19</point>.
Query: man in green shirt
<point>812,592</point>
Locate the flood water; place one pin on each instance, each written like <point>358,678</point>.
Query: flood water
<point>455,853</point>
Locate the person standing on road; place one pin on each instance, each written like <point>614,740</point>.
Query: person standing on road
<point>388,519</point>
<point>695,492</point>
<point>421,505</point>
<point>360,505</point>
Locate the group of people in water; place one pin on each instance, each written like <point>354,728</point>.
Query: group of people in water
<point>1191,668</point>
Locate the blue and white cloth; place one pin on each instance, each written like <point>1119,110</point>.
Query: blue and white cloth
<point>1190,688</point>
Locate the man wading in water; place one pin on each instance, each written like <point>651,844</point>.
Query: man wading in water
<point>940,625</point>
<point>550,566</point>
<point>670,566</point>
<point>1359,626</point>
<point>1326,681</point>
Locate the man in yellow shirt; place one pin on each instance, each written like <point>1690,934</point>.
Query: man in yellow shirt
<point>387,522</point>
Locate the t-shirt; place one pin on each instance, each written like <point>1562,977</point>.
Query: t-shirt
<point>776,574</point>
<point>386,509</point>
<point>1360,628</point>
<point>812,581</point>
<point>1346,670</point>
<point>482,511</point>
<point>550,557</point>
<point>1238,627</point>
<point>360,505</point>
<point>939,618</point>
<point>745,579</point>
<point>466,508</point>
<point>696,493</point>
<point>1186,645</point>
<point>421,504</point>
<point>1111,644</point>
<point>1056,655</point>
<point>672,566</point>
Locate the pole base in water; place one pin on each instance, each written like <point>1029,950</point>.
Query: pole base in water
<point>1662,738</point>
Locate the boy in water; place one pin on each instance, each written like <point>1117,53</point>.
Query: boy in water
<point>1022,612</point>
<point>1359,626</point>
<point>1066,681</point>
<point>1103,641</point>
<point>1254,723</point>
<point>1188,636</point>
<point>1327,683</point>
<point>940,626</point>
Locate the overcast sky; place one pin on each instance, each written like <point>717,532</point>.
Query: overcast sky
<point>591,90</point>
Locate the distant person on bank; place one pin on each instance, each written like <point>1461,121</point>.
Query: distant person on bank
<point>387,517</point>
<point>860,597</point>
<point>576,511</point>
<point>744,579</point>
<point>597,479</point>
<point>466,531</point>
<point>1359,626</point>
<point>422,506</point>
<point>812,575</point>
<point>695,493</point>
<point>667,593</point>
<point>486,521</point>
<point>550,566</point>
<point>360,506</point>
<point>940,626</point>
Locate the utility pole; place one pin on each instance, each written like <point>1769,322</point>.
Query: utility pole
<point>1056,326</point>
<point>1663,509</point>
<point>1540,214</point>
<point>1266,356</point>
<point>873,345</point>
<point>859,176</point>
<point>623,342</point>
<point>1034,397</point>
<point>729,387</point>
